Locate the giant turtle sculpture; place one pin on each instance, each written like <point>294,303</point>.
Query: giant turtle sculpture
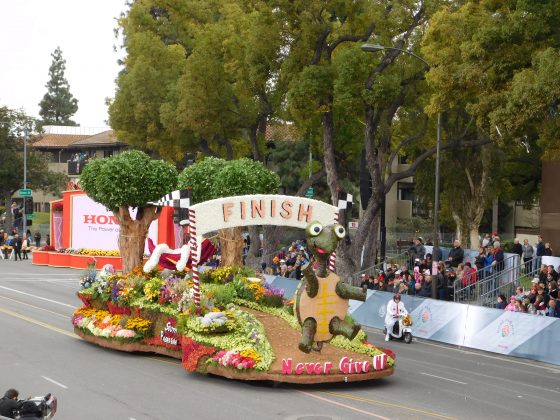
<point>321,302</point>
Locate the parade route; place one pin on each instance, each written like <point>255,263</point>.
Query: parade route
<point>41,354</point>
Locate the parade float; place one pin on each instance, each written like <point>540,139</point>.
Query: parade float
<point>229,321</point>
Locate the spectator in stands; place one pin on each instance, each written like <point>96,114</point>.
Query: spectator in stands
<point>552,272</point>
<point>498,257</point>
<point>541,291</point>
<point>512,305</point>
<point>382,285</point>
<point>532,295</point>
<point>522,307</point>
<point>441,282</point>
<point>489,260</point>
<point>486,240</point>
<point>543,274</point>
<point>553,309</point>
<point>540,306</point>
<point>283,269</point>
<point>479,260</point>
<point>426,290</point>
<point>419,248</point>
<point>517,248</point>
<point>469,277</point>
<point>520,295</point>
<point>540,249</point>
<point>456,254</point>
<point>501,302</point>
<point>553,289</point>
<point>547,250</point>
<point>364,281</point>
<point>527,255</point>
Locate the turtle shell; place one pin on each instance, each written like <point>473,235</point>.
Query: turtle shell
<point>323,307</point>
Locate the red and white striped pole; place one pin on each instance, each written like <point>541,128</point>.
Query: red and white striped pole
<point>332,258</point>
<point>193,243</point>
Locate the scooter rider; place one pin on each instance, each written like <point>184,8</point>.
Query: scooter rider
<point>395,308</point>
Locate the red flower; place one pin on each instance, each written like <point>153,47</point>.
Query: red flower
<point>192,352</point>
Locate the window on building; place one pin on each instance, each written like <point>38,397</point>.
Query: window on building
<point>405,191</point>
<point>403,160</point>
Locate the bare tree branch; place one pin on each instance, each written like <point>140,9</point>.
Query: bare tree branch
<point>406,142</point>
<point>309,182</point>
<point>352,38</point>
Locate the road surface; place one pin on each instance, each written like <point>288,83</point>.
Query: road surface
<point>39,353</point>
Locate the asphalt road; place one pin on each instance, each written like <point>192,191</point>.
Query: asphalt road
<point>39,353</point>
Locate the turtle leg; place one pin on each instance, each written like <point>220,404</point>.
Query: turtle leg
<point>308,330</point>
<point>347,291</point>
<point>339,327</point>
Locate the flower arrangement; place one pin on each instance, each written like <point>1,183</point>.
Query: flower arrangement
<point>225,274</point>
<point>193,352</point>
<point>260,292</point>
<point>48,248</point>
<point>57,207</point>
<point>234,359</point>
<point>101,323</point>
<point>152,288</point>
<point>89,276</point>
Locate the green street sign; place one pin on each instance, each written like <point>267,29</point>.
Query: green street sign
<point>309,192</point>
<point>25,193</point>
<point>30,216</point>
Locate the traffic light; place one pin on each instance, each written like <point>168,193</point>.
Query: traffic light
<point>28,205</point>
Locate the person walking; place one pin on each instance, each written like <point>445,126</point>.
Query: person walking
<point>25,247</point>
<point>17,244</point>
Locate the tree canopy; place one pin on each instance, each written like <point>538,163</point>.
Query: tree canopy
<point>58,105</point>
<point>214,178</point>
<point>129,179</point>
<point>12,132</point>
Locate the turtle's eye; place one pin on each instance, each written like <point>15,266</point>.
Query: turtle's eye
<point>315,229</point>
<point>339,231</point>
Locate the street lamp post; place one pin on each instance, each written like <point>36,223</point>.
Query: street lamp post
<point>435,252</point>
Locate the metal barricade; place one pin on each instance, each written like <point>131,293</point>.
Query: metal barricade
<point>491,283</point>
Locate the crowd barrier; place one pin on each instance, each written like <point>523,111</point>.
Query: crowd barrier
<point>477,327</point>
<point>498,331</point>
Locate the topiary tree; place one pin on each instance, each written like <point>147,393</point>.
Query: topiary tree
<point>130,179</point>
<point>216,178</point>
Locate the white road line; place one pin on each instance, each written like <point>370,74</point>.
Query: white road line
<point>38,297</point>
<point>445,379</point>
<point>33,306</point>
<point>54,382</point>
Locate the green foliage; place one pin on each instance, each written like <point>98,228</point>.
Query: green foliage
<point>215,178</point>
<point>130,179</point>
<point>58,105</point>
<point>502,60</point>
<point>11,157</point>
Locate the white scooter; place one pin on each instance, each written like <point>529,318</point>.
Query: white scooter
<point>404,329</point>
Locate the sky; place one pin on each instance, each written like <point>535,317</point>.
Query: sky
<point>30,31</point>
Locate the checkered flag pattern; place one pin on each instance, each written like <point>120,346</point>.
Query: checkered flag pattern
<point>344,201</point>
<point>176,199</point>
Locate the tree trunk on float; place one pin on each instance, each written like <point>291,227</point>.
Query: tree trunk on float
<point>253,259</point>
<point>231,245</point>
<point>133,233</point>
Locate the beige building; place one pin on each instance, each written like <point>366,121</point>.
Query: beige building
<point>70,149</point>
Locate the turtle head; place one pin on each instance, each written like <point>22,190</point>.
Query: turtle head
<point>322,240</point>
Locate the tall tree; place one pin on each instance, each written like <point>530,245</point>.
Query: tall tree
<point>58,105</point>
<point>130,180</point>
<point>502,60</point>
<point>12,131</point>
